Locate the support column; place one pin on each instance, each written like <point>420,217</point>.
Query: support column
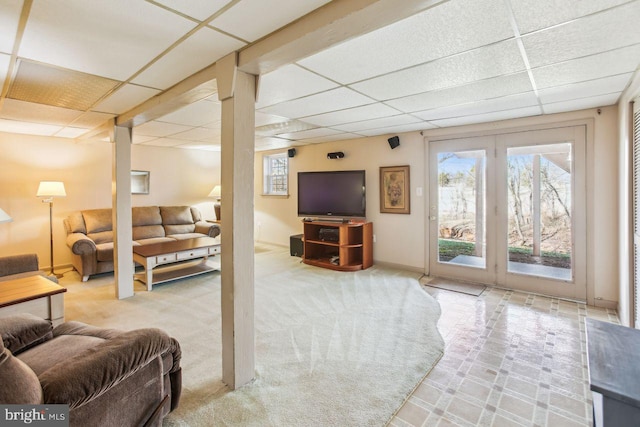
<point>121,212</point>
<point>237,91</point>
<point>537,217</point>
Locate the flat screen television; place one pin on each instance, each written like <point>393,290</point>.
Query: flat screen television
<point>332,194</point>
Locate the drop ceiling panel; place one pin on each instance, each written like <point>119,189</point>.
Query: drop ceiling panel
<point>481,107</point>
<point>165,142</point>
<point>253,19</point>
<point>125,98</point>
<point>332,100</point>
<point>288,126</point>
<point>483,89</point>
<point>91,119</point>
<point>263,119</point>
<point>70,132</point>
<point>581,104</point>
<point>371,111</point>
<point>120,42</point>
<point>482,63</point>
<point>534,15</point>
<point>489,117</point>
<point>195,53</point>
<point>31,112</point>
<point>201,146</point>
<point>337,137</point>
<point>200,134</point>
<point>401,119</point>
<point>198,9</point>
<point>607,85</point>
<point>591,67</point>
<point>160,129</point>
<point>9,18</point>
<point>590,35</point>
<point>290,82</point>
<point>313,133</point>
<point>271,143</point>
<point>29,128</point>
<point>397,129</point>
<point>451,27</point>
<point>136,138</point>
<point>197,114</point>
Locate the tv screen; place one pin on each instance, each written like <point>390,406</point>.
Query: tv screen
<point>335,193</point>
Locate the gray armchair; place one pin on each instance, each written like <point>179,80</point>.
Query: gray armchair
<point>17,266</point>
<point>106,376</point>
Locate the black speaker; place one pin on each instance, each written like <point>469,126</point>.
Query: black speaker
<point>291,152</point>
<point>335,155</point>
<point>295,245</point>
<point>394,141</point>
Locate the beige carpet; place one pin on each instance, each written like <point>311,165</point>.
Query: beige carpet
<point>332,349</point>
<point>452,285</point>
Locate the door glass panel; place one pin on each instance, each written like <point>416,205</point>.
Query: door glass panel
<point>461,208</point>
<point>539,186</point>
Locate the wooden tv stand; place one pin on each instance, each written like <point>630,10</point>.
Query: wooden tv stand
<point>353,248</point>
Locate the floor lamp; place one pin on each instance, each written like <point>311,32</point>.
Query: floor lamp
<point>216,192</point>
<point>49,190</point>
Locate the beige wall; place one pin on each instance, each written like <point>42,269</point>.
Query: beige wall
<point>178,176</point>
<point>401,239</point>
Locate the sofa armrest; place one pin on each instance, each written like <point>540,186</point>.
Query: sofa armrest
<point>208,228</point>
<point>80,244</point>
<point>90,374</point>
<point>23,331</point>
<point>15,264</point>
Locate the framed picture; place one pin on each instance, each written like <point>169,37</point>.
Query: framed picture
<point>140,182</point>
<point>395,191</point>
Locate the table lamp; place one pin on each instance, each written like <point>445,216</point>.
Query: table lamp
<point>216,192</point>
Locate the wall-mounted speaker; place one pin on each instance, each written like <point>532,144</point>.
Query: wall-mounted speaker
<point>394,141</point>
<point>291,152</point>
<point>335,155</point>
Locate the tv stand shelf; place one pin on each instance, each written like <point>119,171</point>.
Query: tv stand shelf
<point>352,250</point>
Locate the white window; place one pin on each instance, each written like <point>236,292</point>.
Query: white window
<point>276,174</point>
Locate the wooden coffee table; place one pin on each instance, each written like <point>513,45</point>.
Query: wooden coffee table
<point>34,294</point>
<point>172,258</point>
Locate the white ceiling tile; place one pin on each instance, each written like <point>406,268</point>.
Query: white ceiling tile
<point>165,142</point>
<point>481,89</point>
<point>9,18</point>
<point>92,119</point>
<point>451,27</point>
<point>253,19</point>
<point>401,119</point>
<point>12,126</point>
<point>200,134</point>
<point>332,100</point>
<point>200,50</point>
<point>125,98</point>
<point>489,117</point>
<point>397,129</point>
<point>119,44</point>
<point>619,61</point>
<point>533,15</point>
<point>70,132</point>
<point>136,138</point>
<point>196,114</point>
<point>593,34</point>
<point>607,85</point>
<point>337,137</point>
<point>201,145</point>
<point>198,9</point>
<point>313,133</point>
<point>160,129</point>
<point>481,107</point>
<point>482,63</point>
<point>272,143</point>
<point>581,104</point>
<point>290,82</point>
<point>371,111</point>
<point>263,119</point>
<point>37,113</point>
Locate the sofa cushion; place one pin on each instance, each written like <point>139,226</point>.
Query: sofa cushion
<point>20,385</point>
<point>75,223</point>
<point>57,351</point>
<point>186,236</point>
<point>145,215</point>
<point>97,220</point>
<point>104,251</point>
<point>147,232</point>
<point>22,331</point>
<point>101,237</point>
<point>172,215</point>
<point>179,229</point>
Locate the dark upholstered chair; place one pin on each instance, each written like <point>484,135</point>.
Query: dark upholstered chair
<point>106,376</point>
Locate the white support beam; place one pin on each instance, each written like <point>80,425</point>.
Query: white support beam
<point>327,26</point>
<point>237,156</point>
<point>121,212</point>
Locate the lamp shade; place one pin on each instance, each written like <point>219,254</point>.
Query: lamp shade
<point>216,192</point>
<point>4,217</point>
<point>51,189</point>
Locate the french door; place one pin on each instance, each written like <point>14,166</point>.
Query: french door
<point>509,210</point>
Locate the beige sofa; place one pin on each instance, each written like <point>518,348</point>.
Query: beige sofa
<point>90,233</point>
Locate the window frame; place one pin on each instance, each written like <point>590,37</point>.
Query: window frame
<point>268,175</point>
